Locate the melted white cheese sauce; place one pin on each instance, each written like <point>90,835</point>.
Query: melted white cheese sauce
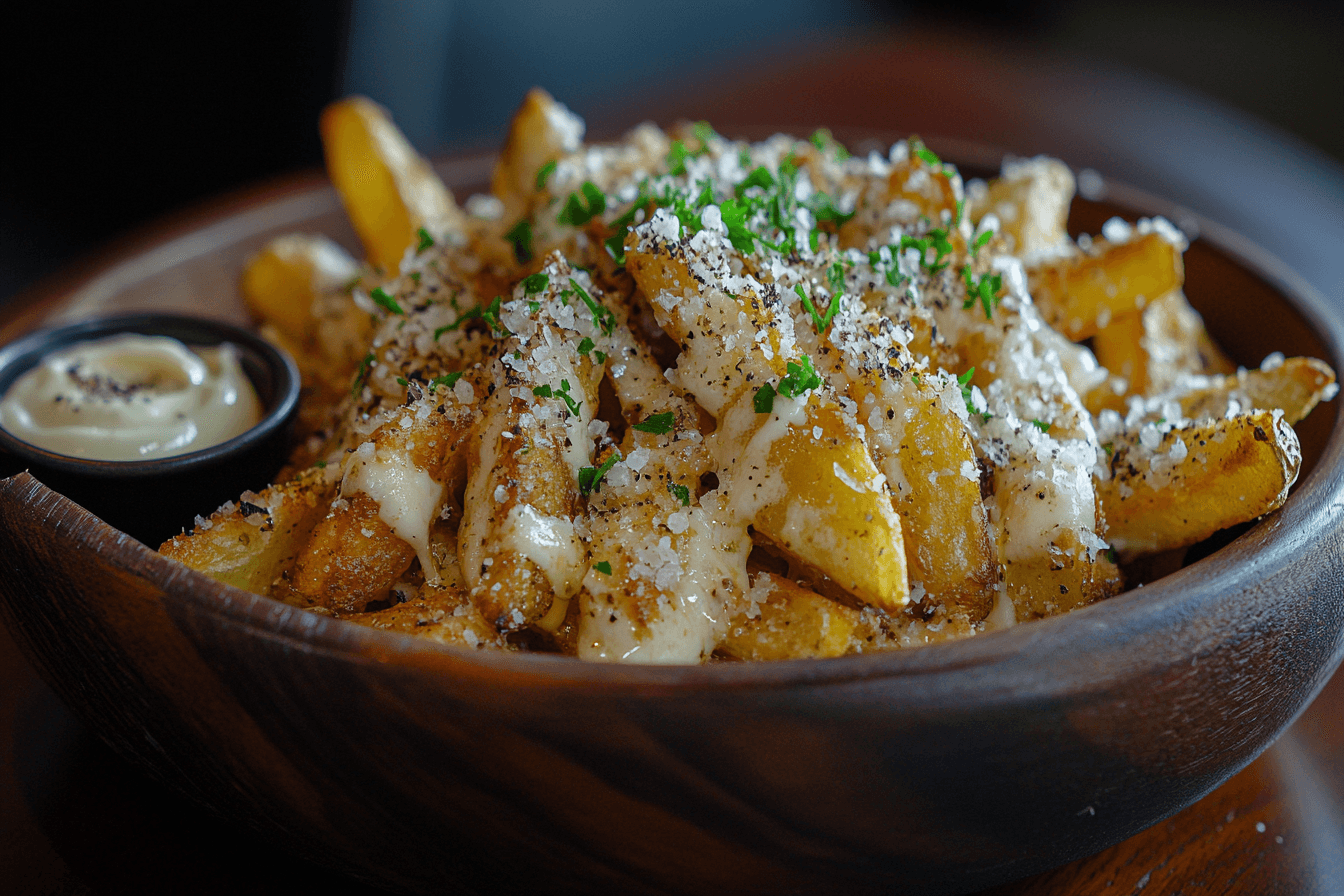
<point>408,497</point>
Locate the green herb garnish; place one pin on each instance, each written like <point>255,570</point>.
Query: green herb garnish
<point>602,315</point>
<point>764,399</point>
<point>681,493</point>
<point>577,212</point>
<point>521,237</point>
<point>448,380</point>
<point>657,424</point>
<point>799,379</point>
<point>603,567</point>
<point>385,301</point>
<point>536,283</point>
<point>820,321</point>
<point>490,314</point>
<point>362,375</point>
<point>544,173</point>
<point>426,240</point>
<point>964,381</point>
<point>1041,425</point>
<point>591,477</point>
<point>985,290</point>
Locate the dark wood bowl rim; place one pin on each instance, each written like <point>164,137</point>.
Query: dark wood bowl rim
<point>1024,662</point>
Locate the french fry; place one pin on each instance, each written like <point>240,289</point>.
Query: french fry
<point>798,470</point>
<point>521,555</point>
<point>1082,293</point>
<point>542,131</point>
<point>389,191</point>
<point>1295,386</point>
<point>1030,201</point>
<point>252,543</point>
<point>392,488</point>
<point>784,620</point>
<point>1188,482</point>
<point>444,615</point>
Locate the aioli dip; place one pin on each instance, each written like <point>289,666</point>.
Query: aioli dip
<point>131,397</point>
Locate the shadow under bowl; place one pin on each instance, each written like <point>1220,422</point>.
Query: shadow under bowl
<point>944,769</point>
<point>154,499</point>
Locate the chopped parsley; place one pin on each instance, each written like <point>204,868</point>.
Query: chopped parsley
<point>1041,425</point>
<point>681,493</point>
<point>823,140</point>
<point>561,393</point>
<point>657,424</point>
<point>820,321</point>
<point>676,158</point>
<point>469,314</point>
<point>402,381</point>
<point>577,212</point>
<point>521,237</point>
<point>759,177</point>
<point>985,290</point>
<point>544,174</point>
<point>925,154</point>
<point>799,379</point>
<point>602,315</point>
<point>764,399</point>
<point>591,477</point>
<point>490,314</point>
<point>980,242</point>
<point>585,345</point>
<point>448,380</point>
<point>362,375</point>
<point>426,241</point>
<point>835,277</point>
<point>603,566</point>
<point>964,381</point>
<point>679,152</point>
<point>385,301</point>
<point>536,283</point>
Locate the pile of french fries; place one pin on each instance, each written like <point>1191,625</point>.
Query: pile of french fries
<point>681,398</point>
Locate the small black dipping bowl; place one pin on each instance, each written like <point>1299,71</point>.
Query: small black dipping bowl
<point>152,500</point>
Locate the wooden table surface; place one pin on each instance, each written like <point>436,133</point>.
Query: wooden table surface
<point>74,819</point>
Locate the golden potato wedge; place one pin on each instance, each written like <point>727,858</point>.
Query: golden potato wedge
<point>520,552</point>
<point>1119,348</point>
<point>542,131</point>
<point>444,615</point>
<point>1082,293</point>
<point>1295,386</point>
<point>352,559</point>
<point>389,191</point>
<point>252,543</point>
<point>783,620</point>
<point>795,468</point>
<point>1030,200</point>
<point>1171,489</point>
<point>281,282</point>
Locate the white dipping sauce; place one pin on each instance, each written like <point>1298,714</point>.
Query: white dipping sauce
<point>131,397</point>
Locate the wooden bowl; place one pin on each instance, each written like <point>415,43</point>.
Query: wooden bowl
<point>942,769</point>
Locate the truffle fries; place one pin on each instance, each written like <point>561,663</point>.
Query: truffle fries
<point>680,397</point>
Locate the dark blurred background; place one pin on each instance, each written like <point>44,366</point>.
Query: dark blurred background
<point>121,114</point>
